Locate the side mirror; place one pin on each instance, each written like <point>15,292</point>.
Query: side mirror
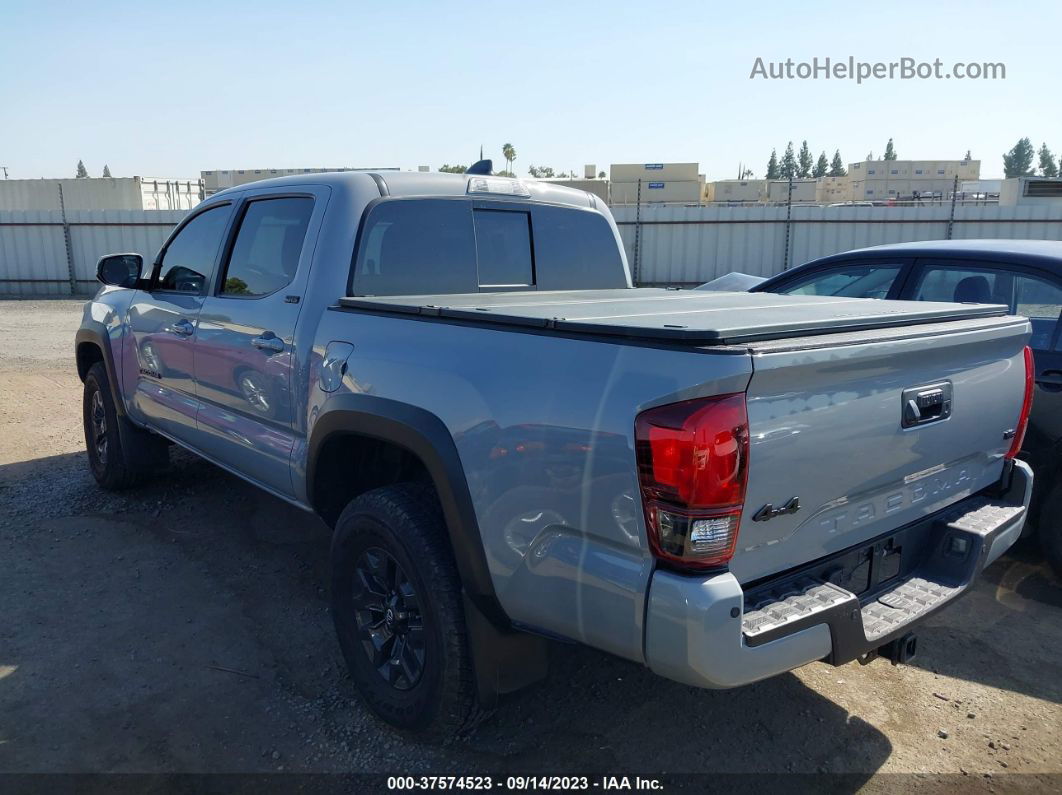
<point>120,270</point>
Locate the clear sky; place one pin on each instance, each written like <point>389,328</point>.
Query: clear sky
<point>170,89</point>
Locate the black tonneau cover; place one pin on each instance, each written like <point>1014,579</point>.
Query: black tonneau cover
<point>694,317</point>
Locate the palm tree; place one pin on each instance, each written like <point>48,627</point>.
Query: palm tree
<point>509,153</point>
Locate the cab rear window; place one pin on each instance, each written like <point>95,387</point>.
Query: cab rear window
<point>430,246</point>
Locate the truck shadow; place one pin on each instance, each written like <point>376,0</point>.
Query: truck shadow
<point>599,714</point>
<point>997,633</point>
<point>238,604</point>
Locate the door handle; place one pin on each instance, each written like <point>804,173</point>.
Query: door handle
<point>268,342</point>
<point>1051,380</point>
<point>182,328</point>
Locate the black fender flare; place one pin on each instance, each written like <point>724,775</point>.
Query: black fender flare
<point>426,436</point>
<point>96,334</point>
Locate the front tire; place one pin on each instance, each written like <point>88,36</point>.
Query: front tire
<point>397,607</point>
<point>120,454</point>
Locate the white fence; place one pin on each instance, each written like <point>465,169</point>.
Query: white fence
<point>691,245</point>
<point>43,254</point>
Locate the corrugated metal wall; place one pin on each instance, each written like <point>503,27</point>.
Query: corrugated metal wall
<point>33,251</point>
<point>692,245</point>
<point>678,245</point>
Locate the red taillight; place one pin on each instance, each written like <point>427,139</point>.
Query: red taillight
<point>1026,406</point>
<point>693,465</point>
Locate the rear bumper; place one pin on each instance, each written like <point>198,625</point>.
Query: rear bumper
<point>710,633</point>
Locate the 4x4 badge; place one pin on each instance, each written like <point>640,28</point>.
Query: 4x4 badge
<point>768,511</point>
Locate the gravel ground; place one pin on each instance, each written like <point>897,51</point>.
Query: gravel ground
<point>184,628</point>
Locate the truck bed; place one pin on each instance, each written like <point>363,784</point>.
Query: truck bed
<point>660,314</point>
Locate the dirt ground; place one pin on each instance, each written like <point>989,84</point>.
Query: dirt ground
<point>184,627</point>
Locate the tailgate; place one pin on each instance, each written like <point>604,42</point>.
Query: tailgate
<point>827,427</point>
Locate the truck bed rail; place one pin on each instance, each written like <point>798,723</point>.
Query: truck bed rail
<point>701,318</point>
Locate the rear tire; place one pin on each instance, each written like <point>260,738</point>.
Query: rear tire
<point>398,611</point>
<point>120,454</point>
<point>1049,529</point>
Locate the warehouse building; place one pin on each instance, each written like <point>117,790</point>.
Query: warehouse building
<point>736,190</point>
<point>803,190</point>
<point>100,193</point>
<point>833,190</point>
<point>677,183</point>
<point>1030,191</point>
<point>879,180</point>
<point>213,181</point>
<point>867,180</point>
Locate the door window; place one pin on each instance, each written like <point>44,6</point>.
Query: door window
<point>1038,298</point>
<point>188,261</point>
<point>1041,302</point>
<point>858,280</point>
<point>266,253</point>
<point>964,286</point>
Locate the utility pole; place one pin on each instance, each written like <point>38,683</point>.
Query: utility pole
<point>951,215</point>
<point>788,223</point>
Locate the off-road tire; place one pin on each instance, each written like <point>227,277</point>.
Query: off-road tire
<point>405,521</point>
<point>128,455</point>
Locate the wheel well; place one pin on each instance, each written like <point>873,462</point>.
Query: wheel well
<point>350,464</point>
<point>88,353</point>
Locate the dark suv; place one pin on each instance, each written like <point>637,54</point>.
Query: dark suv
<point>1026,275</point>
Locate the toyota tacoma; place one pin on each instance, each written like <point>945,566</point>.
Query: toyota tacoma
<point>515,446</point>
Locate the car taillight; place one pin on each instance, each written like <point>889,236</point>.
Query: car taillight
<point>693,466</point>
<point>1026,406</point>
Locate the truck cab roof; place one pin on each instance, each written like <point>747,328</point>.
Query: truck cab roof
<point>419,183</point>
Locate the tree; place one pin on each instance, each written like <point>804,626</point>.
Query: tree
<point>1048,166</point>
<point>601,175</point>
<point>542,172</point>
<point>509,153</point>
<point>870,155</point>
<point>967,155</point>
<point>106,170</point>
<point>82,172</point>
<point>773,171</point>
<point>822,165</point>
<point>789,163</point>
<point>837,168</point>
<point>448,169</point>
<point>1018,161</point>
<point>890,151</point>
<point>805,161</point>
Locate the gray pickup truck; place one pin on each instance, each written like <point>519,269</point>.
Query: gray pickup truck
<point>514,446</point>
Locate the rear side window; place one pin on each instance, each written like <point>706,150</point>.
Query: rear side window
<point>266,253</point>
<point>864,280</point>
